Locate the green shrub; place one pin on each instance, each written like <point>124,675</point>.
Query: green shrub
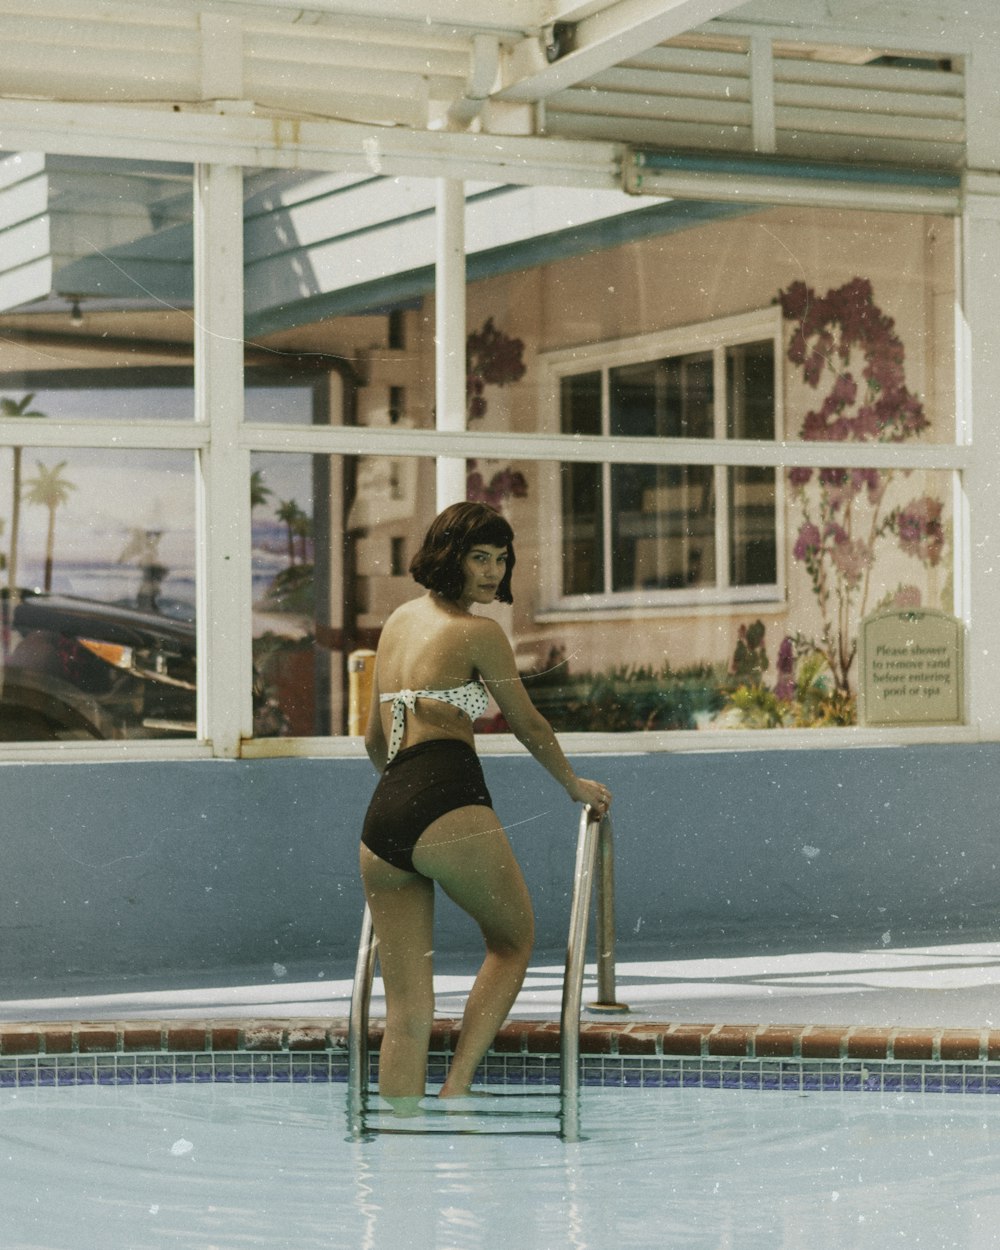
<point>628,698</point>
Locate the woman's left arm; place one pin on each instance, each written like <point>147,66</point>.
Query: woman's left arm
<point>494,660</point>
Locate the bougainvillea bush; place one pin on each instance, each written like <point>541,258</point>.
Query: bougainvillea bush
<point>492,358</point>
<point>848,351</point>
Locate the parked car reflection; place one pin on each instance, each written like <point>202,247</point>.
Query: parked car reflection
<point>77,669</point>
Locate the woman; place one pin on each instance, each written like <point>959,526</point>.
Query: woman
<point>431,818</point>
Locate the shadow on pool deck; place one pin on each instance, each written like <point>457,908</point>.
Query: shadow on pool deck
<point>927,986</point>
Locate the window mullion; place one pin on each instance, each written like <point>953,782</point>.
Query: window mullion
<point>721,472</point>
<point>723,537</point>
<point>225,712</point>
<point>607,517</point>
<point>392,441</point>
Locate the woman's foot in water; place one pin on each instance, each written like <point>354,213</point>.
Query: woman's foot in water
<point>408,1105</point>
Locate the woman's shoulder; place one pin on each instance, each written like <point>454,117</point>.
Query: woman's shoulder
<point>421,619</point>
<point>487,644</point>
<point>403,617</point>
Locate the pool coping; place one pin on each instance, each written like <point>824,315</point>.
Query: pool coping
<point>517,1037</point>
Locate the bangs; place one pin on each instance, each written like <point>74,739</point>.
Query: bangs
<point>493,532</point>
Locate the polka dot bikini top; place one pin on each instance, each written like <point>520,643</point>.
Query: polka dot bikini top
<point>471,699</point>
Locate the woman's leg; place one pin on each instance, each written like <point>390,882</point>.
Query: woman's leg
<point>402,907</point>
<point>467,852</point>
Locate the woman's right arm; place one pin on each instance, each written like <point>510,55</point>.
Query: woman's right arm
<point>495,663</point>
<point>375,743</point>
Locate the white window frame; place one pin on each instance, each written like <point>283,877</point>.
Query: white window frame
<point>221,443</point>
<point>712,336</point>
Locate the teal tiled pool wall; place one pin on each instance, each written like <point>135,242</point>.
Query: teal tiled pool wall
<point>806,1059</point>
<point>664,1072</point>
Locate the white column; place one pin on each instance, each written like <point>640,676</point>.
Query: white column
<point>762,94</point>
<point>449,303</point>
<point>978,520</point>
<point>225,708</point>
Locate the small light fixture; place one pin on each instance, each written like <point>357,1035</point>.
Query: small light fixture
<point>75,314</point>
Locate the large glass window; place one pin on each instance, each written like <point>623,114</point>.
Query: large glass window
<point>662,564</point>
<point>333,537</point>
<point>97,491</point>
<point>98,602</point>
<point>724,439</point>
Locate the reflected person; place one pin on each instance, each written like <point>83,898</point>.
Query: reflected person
<point>431,818</point>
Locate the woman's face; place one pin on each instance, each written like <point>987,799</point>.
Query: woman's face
<point>483,568</point>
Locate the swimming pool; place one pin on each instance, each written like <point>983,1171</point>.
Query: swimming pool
<point>231,1166</point>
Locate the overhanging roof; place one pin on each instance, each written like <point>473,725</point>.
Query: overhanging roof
<point>526,95</point>
<point>837,79</point>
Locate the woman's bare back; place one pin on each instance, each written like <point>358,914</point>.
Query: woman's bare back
<point>426,645</point>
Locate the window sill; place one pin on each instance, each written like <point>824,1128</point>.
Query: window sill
<point>103,751</point>
<point>740,740</point>
<point>495,745</point>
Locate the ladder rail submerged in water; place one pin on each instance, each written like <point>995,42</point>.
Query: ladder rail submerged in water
<point>594,859</point>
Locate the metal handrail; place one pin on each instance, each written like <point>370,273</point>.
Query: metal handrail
<point>357,1026</point>
<point>594,841</point>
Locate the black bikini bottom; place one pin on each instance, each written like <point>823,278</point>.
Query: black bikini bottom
<point>419,785</point>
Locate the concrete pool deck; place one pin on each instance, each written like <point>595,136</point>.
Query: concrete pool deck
<point>923,987</point>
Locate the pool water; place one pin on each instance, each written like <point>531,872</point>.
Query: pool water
<point>234,1167</point>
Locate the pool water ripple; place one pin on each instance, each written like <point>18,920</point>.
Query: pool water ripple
<point>232,1167</point>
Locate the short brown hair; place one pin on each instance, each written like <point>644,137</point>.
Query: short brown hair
<point>452,535</point>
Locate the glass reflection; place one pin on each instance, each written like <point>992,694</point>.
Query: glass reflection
<point>332,541</point>
<point>96,278</point>
<point>767,639</point>
<point>98,596</point>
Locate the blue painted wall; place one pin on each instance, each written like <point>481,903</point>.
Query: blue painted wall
<point>192,868</point>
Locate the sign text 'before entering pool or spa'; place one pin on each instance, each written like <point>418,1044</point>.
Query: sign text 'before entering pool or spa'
<point>911,668</point>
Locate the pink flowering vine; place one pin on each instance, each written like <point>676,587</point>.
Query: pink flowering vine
<point>785,686</point>
<point>492,358</point>
<point>506,483</point>
<point>845,340</point>
<point>920,529</point>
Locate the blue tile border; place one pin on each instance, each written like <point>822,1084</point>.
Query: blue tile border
<point>596,1071</point>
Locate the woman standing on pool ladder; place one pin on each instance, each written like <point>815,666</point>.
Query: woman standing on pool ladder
<point>431,817</point>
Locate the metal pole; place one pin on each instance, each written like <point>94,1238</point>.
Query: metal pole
<point>357,1028</point>
<point>606,1000</point>
<point>569,1027</point>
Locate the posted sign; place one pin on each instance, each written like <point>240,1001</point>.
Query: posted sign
<point>911,668</point>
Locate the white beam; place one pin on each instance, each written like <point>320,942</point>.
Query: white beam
<point>762,94</point>
<point>512,17</point>
<point>177,133</point>
<point>982,109</point>
<point>978,525</point>
<point>610,36</point>
<point>449,344</point>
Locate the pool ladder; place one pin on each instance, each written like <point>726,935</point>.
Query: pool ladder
<point>594,861</point>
